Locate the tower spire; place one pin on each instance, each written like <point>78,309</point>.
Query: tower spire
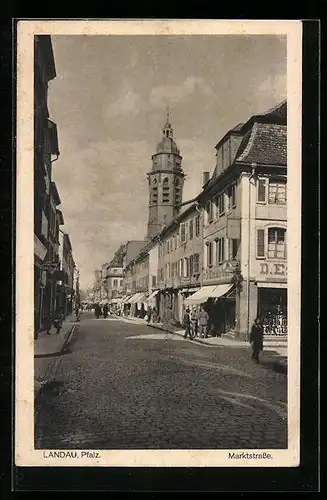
<point>168,114</point>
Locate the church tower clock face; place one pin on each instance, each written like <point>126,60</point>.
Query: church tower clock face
<point>166,179</point>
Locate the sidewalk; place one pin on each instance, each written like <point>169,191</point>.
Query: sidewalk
<point>274,352</point>
<point>48,350</point>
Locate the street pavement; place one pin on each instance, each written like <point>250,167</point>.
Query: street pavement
<point>127,386</point>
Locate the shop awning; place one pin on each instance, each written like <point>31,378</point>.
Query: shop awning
<point>190,290</point>
<point>134,298</point>
<point>153,294</point>
<point>141,298</point>
<point>206,292</point>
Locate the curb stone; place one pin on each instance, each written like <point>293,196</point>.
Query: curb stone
<point>51,370</point>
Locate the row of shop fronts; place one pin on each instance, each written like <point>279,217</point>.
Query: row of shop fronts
<point>223,302</point>
<point>226,249</point>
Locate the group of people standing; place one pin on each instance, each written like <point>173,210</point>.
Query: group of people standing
<point>101,312</point>
<point>196,323</point>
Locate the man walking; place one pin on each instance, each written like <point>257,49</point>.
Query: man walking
<point>256,339</point>
<point>187,323</point>
<point>203,323</point>
<point>194,322</point>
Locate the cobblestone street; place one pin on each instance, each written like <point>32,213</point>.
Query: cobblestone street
<point>121,386</point>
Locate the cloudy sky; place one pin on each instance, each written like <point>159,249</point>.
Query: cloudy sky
<point>109,101</point>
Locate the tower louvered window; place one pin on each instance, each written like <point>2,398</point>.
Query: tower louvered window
<point>165,191</point>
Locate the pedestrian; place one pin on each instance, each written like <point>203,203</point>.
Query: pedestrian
<point>97,311</point>
<point>105,311</point>
<point>57,322</point>
<point>256,339</point>
<point>154,315</point>
<point>194,322</point>
<point>203,323</point>
<point>149,314</point>
<point>187,323</point>
<point>47,323</point>
<point>76,312</point>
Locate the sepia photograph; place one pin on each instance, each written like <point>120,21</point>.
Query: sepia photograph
<point>158,243</point>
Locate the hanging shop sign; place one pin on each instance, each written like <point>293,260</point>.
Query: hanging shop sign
<point>51,267</point>
<point>43,280</point>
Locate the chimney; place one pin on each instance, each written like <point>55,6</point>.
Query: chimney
<point>205,177</point>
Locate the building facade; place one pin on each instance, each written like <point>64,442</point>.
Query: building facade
<point>180,262</point>
<point>66,286</point>
<point>244,227</point>
<point>46,151</point>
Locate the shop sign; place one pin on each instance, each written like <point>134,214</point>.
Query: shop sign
<point>223,271</point>
<point>273,269</point>
<point>51,267</point>
<point>39,249</point>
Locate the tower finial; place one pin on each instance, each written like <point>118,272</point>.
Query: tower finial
<point>168,113</point>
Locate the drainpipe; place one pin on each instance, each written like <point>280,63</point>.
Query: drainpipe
<point>253,165</point>
<point>201,236</point>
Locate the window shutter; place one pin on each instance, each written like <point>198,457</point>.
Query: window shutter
<point>196,263</point>
<point>191,265</point>
<point>262,190</point>
<point>260,242</point>
<point>182,232</point>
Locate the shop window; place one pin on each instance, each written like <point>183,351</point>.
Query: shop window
<point>276,243</point>
<point>277,192</point>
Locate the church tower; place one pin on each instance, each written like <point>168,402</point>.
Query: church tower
<point>166,180</point>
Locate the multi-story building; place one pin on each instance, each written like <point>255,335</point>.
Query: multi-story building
<point>180,262</point>
<point>46,151</point>
<point>66,285</point>
<point>137,284</point>
<point>244,228</point>
<point>114,279</point>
